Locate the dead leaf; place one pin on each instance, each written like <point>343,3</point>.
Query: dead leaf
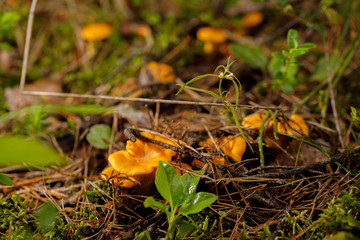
<point>16,100</point>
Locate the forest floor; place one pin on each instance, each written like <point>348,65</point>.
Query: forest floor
<point>268,125</point>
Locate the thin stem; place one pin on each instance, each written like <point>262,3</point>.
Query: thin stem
<point>332,96</point>
<point>260,141</point>
<point>27,44</point>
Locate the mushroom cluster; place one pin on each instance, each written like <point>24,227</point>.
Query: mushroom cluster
<point>136,166</point>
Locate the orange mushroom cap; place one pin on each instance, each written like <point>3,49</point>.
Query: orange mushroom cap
<point>143,30</point>
<point>141,157</point>
<point>158,72</point>
<point>253,120</point>
<point>211,34</point>
<point>234,148</point>
<point>252,19</point>
<point>292,127</point>
<point>96,31</point>
<point>298,123</point>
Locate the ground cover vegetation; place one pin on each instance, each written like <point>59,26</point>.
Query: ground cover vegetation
<point>179,119</point>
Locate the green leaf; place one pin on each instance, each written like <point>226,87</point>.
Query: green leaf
<point>306,46</point>
<point>292,38</point>
<point>278,55</point>
<point>286,54</point>
<point>320,72</point>
<point>19,150</point>
<point>193,80</point>
<point>186,228</point>
<point>205,91</point>
<point>298,52</point>
<point>9,18</point>
<point>5,180</point>
<point>6,46</point>
<point>222,213</point>
<point>169,184</point>
<point>276,66</point>
<point>151,202</point>
<point>287,88</point>
<point>252,56</point>
<point>282,2</point>
<point>46,216</point>
<point>190,182</point>
<point>143,236</point>
<point>97,134</point>
<point>353,114</point>
<point>200,201</point>
<point>341,236</point>
<point>352,221</point>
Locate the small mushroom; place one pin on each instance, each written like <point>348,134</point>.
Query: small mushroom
<point>156,72</point>
<point>140,161</point>
<point>95,32</point>
<point>252,19</point>
<point>294,126</point>
<point>211,37</point>
<point>253,121</point>
<point>233,147</point>
<point>230,145</point>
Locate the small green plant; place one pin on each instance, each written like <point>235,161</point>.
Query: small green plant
<point>5,180</point>
<point>7,28</point>
<point>355,120</point>
<point>225,75</point>
<point>295,222</point>
<point>284,66</point>
<point>180,192</point>
<point>338,216</point>
<point>265,233</point>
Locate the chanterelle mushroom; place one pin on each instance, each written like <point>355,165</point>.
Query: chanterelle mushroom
<point>140,160</point>
<point>230,145</point>
<point>156,72</point>
<point>294,126</point>
<point>252,19</point>
<point>253,121</point>
<point>210,36</point>
<point>96,31</point>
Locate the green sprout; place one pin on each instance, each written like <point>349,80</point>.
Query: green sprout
<point>180,192</point>
<point>225,75</point>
